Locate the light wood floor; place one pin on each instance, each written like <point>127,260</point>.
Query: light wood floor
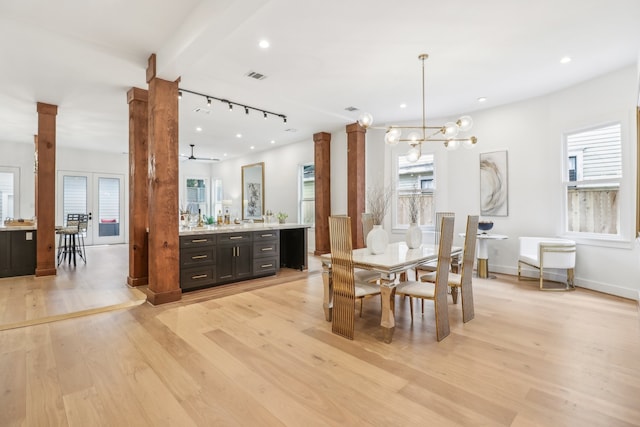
<point>267,357</point>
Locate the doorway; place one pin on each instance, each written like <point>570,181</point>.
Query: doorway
<point>99,195</point>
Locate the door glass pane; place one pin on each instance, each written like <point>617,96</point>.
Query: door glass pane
<point>74,189</point>
<point>109,207</point>
<point>6,195</point>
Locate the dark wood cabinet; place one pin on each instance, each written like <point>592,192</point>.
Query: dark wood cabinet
<point>224,257</point>
<point>234,252</point>
<point>17,253</point>
<point>266,252</point>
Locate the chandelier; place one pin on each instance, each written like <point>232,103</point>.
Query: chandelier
<point>447,133</point>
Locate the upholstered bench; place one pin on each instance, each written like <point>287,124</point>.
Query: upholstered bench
<point>544,253</point>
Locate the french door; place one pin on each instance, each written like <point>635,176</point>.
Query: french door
<point>101,196</point>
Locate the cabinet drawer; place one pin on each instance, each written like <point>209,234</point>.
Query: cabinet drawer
<point>199,240</point>
<point>194,256</point>
<point>264,236</point>
<point>197,277</point>
<point>227,238</point>
<point>264,266</point>
<point>265,249</point>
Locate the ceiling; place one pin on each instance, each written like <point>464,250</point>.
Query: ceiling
<point>83,56</point>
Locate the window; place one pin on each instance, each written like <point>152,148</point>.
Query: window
<point>307,197</point>
<point>9,179</point>
<point>197,196</point>
<point>592,179</point>
<point>417,176</point>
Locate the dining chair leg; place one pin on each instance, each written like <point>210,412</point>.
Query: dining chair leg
<point>454,294</point>
<point>411,307</point>
<point>422,306</point>
<point>361,302</point>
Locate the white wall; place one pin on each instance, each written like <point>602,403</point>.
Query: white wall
<point>532,132</point>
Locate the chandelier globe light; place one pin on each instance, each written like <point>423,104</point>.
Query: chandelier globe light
<point>447,133</point>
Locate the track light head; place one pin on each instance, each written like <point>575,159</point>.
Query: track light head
<point>246,110</point>
<point>284,119</point>
<point>208,102</point>
<point>179,94</point>
<point>230,106</point>
<point>264,114</point>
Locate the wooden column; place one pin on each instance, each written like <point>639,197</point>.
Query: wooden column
<point>46,190</point>
<point>164,254</point>
<point>138,187</point>
<point>322,159</point>
<point>356,181</point>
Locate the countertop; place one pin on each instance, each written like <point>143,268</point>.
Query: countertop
<point>17,227</point>
<point>232,228</point>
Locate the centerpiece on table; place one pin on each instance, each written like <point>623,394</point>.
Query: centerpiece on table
<point>413,203</point>
<point>378,201</point>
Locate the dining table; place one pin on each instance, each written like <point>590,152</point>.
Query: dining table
<point>396,259</point>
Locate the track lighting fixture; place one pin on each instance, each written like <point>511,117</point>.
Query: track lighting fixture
<point>230,104</point>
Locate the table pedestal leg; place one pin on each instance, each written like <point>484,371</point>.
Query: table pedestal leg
<point>327,303</point>
<point>483,259</point>
<point>387,321</point>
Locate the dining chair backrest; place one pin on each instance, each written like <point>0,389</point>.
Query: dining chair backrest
<point>344,294</point>
<point>466,290</point>
<point>438,224</point>
<point>442,277</point>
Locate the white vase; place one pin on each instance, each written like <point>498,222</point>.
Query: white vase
<point>413,236</point>
<point>377,240</point>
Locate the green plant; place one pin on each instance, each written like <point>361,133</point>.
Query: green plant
<point>282,216</point>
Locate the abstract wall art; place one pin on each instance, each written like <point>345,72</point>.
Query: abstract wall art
<point>494,184</point>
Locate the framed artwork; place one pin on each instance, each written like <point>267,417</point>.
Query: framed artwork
<point>494,185</point>
<point>253,191</point>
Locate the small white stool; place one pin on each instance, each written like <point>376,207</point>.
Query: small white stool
<point>546,252</point>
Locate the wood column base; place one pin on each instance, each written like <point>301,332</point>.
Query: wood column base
<point>137,281</point>
<point>46,272</point>
<point>164,297</point>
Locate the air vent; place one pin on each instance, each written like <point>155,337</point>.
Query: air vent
<point>291,130</point>
<point>351,108</point>
<point>255,75</point>
<point>202,110</point>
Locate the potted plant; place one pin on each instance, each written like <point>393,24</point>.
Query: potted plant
<point>378,201</point>
<point>282,217</point>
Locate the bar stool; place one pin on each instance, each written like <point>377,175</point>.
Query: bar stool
<point>67,247</point>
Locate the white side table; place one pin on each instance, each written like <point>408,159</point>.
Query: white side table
<point>483,252</point>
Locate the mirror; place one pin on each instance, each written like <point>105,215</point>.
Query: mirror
<point>253,191</point>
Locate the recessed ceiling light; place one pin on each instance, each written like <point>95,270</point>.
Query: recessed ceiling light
<point>482,99</point>
<point>264,44</point>
<point>272,141</point>
<point>225,154</point>
<point>403,105</point>
<point>198,129</point>
<point>252,147</point>
<point>238,135</point>
<point>565,60</point>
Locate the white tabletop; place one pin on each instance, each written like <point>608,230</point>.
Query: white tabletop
<point>396,258</point>
<point>488,236</point>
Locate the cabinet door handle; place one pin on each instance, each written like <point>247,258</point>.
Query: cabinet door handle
<point>199,276</point>
<point>238,251</point>
<point>199,256</point>
<point>267,249</point>
<point>266,265</point>
<point>198,240</point>
<point>225,277</point>
<point>235,237</point>
<point>266,235</point>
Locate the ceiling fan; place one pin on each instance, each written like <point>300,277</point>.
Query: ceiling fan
<point>202,159</point>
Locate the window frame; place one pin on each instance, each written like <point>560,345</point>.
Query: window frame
<point>16,189</point>
<point>397,153</point>
<point>624,237</point>
<point>301,198</point>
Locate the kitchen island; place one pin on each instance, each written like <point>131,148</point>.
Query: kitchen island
<point>17,250</point>
<point>220,254</point>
